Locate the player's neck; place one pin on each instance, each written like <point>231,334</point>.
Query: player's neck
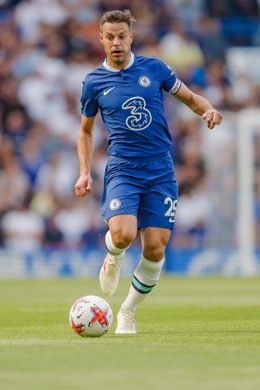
<point>117,67</point>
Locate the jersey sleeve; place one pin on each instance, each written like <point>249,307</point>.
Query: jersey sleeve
<point>170,82</point>
<point>89,104</point>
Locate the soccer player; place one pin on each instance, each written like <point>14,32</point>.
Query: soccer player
<point>140,188</point>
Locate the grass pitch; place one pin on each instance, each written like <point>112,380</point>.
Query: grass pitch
<point>192,334</point>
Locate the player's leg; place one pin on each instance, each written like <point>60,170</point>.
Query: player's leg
<point>156,217</point>
<point>122,231</point>
<point>146,275</point>
<point>119,208</point>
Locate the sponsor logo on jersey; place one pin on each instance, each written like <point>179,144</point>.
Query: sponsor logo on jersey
<point>144,81</point>
<point>115,204</point>
<point>140,117</point>
<point>107,91</point>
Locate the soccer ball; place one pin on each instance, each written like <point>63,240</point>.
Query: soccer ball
<point>90,316</point>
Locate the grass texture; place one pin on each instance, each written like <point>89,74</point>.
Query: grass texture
<point>193,333</point>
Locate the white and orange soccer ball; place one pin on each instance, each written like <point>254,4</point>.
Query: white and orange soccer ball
<point>91,316</point>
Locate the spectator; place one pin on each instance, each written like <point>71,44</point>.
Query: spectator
<point>22,228</point>
<point>44,58</point>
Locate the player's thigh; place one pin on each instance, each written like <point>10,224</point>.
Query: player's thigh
<point>158,207</point>
<point>154,241</point>
<point>119,198</point>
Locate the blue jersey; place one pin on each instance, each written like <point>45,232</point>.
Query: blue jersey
<point>131,105</point>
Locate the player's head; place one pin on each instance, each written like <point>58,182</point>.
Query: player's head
<point>116,35</point>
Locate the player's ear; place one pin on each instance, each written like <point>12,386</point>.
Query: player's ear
<point>131,36</point>
<point>101,38</point>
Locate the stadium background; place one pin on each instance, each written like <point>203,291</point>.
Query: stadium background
<point>47,47</point>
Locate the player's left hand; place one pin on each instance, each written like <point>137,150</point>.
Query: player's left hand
<point>212,117</point>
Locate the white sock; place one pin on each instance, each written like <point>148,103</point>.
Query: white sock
<point>145,277</point>
<point>114,252</point>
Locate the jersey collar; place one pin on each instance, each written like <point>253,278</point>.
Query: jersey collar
<point>130,63</point>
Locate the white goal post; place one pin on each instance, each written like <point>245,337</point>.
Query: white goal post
<point>248,125</point>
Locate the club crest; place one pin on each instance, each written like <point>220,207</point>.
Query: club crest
<point>144,81</point>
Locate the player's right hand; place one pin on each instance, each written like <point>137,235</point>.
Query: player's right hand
<point>212,117</point>
<point>83,185</point>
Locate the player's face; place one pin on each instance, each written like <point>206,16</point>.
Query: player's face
<point>116,39</point>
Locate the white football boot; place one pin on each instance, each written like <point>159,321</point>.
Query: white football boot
<point>125,322</point>
<point>110,273</point>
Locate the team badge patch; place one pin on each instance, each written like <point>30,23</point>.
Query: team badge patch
<point>144,81</point>
<point>114,204</point>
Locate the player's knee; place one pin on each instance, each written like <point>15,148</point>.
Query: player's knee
<point>154,252</point>
<point>122,239</point>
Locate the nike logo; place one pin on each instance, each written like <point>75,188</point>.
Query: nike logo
<point>107,91</point>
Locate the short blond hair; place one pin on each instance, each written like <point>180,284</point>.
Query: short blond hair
<point>117,16</point>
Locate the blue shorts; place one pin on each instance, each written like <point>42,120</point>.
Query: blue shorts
<point>144,188</point>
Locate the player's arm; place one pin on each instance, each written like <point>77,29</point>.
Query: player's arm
<point>199,105</point>
<point>85,148</point>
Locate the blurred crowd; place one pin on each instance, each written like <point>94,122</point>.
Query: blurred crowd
<point>46,49</point>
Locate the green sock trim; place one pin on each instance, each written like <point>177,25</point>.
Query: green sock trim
<point>141,287</point>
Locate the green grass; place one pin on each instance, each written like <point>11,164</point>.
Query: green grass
<point>192,334</point>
